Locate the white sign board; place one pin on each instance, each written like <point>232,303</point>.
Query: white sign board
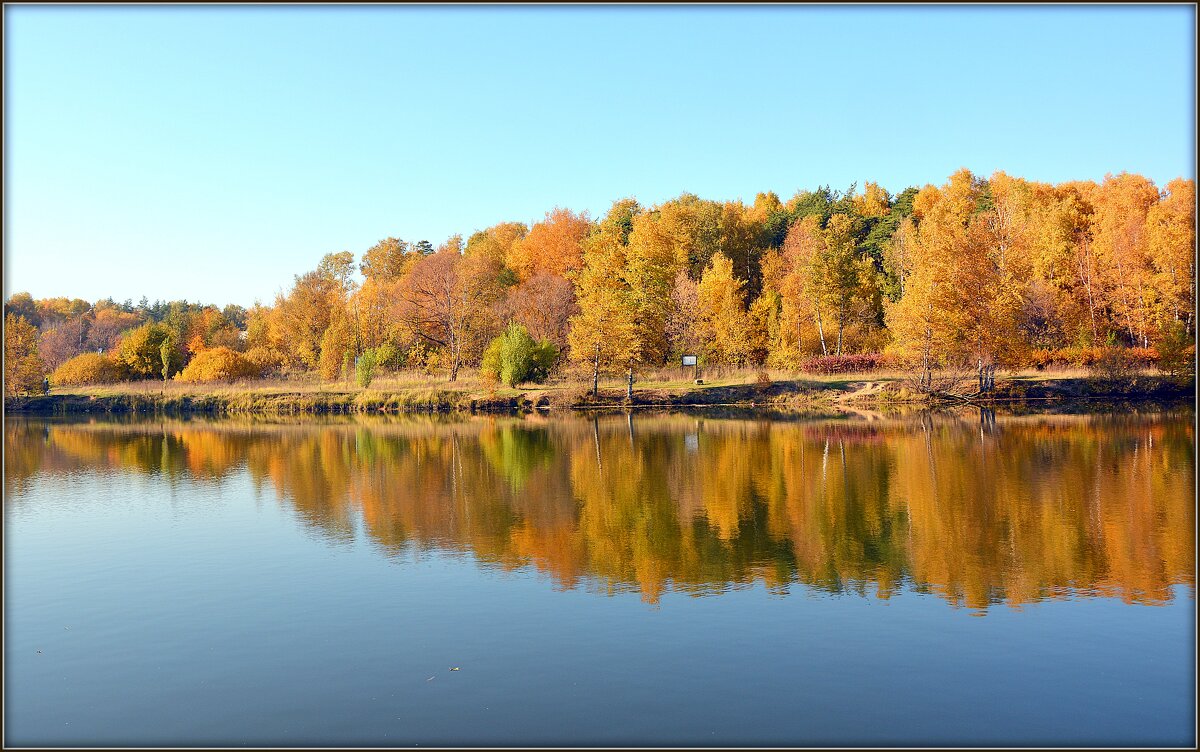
<point>689,360</point>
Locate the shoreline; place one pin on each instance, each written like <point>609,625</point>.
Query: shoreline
<point>788,396</point>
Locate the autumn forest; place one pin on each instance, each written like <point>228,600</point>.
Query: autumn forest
<point>997,271</point>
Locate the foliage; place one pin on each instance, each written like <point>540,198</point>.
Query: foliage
<point>515,357</point>
<point>365,367</point>
<point>88,368</point>
<point>857,363</point>
<point>973,274</point>
<point>219,364</point>
<point>389,356</point>
<point>141,352</point>
<point>1177,352</point>
<point>23,369</point>
<point>263,359</point>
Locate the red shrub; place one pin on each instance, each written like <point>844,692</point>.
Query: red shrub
<point>833,364</point>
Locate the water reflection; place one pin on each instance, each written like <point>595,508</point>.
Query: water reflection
<point>978,509</point>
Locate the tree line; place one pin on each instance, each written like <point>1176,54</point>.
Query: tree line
<point>980,272</point>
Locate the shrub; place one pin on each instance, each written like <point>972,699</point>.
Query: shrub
<point>335,351</point>
<point>762,380</point>
<point>1092,357</point>
<point>264,360</point>
<point>218,364</point>
<point>545,355</point>
<point>88,368</point>
<point>833,364</point>
<point>389,356</point>
<point>364,368</point>
<point>1112,363</point>
<point>515,357</point>
<point>1177,352</point>
<point>489,366</point>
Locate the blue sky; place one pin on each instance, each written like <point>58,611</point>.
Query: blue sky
<point>212,153</point>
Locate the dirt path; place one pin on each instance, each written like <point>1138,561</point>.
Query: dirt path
<point>860,389</point>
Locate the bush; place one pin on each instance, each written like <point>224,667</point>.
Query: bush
<point>364,368</point>
<point>545,355</point>
<point>515,357</point>
<point>264,360</point>
<point>1092,357</point>
<point>833,364</point>
<point>1177,352</point>
<point>218,364</point>
<point>389,356</point>
<point>88,368</point>
<point>1114,362</point>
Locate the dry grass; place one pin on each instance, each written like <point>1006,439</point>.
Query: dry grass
<point>562,388</point>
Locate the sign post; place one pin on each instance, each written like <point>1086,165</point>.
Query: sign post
<point>690,360</point>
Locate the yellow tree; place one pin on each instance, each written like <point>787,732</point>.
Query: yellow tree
<point>873,201</point>
<point>1066,258</point>
<point>497,242</point>
<point>653,258</point>
<point>681,233</point>
<point>955,309</point>
<point>800,248</point>
<point>721,314</point>
<point>740,237</point>
<point>1120,245</point>
<point>1171,241</point>
<point>604,332</point>
<point>23,370</point>
<point>554,245</point>
<point>308,310</point>
<point>387,260</point>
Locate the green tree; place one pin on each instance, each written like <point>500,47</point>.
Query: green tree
<point>364,367</point>
<point>141,351</point>
<point>515,357</point>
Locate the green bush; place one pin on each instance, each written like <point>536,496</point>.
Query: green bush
<point>515,357</point>
<point>149,350</point>
<point>1177,352</point>
<point>364,368</point>
<point>389,356</point>
<point>545,353</point>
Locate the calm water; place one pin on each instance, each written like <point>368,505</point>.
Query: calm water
<point>683,578</point>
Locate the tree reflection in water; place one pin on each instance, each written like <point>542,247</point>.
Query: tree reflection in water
<point>977,509</point>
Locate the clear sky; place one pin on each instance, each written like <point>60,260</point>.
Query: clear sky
<point>212,153</point>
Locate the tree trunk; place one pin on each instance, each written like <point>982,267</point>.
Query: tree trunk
<point>454,367</point>
<point>596,373</point>
<point>821,331</point>
<point>629,385</point>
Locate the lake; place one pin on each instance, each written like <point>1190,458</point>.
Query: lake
<point>691,578</point>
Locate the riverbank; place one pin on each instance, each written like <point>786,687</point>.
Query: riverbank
<point>799,394</point>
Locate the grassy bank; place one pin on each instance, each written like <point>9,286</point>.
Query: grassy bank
<point>419,393</point>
